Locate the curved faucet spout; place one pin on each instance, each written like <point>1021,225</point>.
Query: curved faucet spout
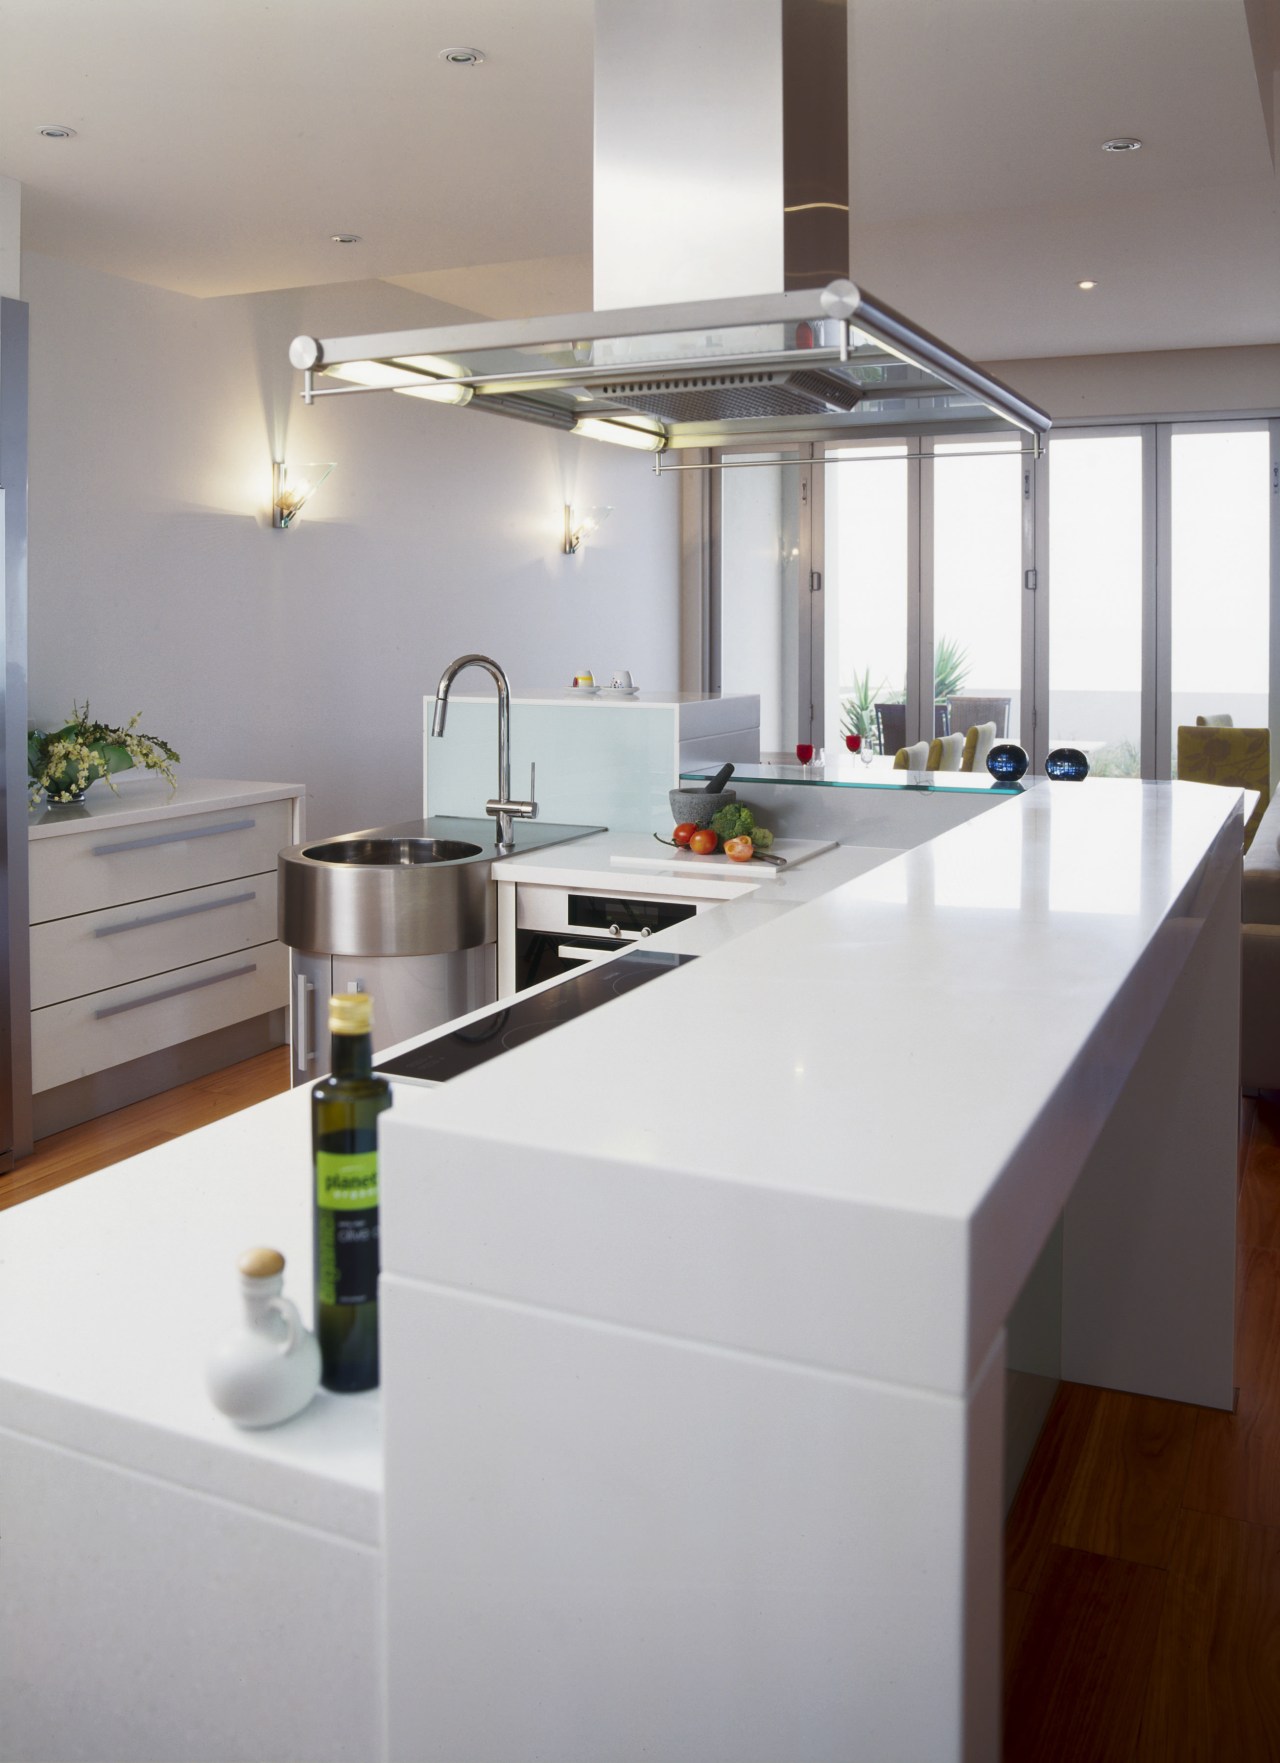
<point>503,807</point>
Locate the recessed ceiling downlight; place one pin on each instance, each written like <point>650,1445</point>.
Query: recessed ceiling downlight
<point>1086,285</point>
<point>1122,144</point>
<point>462,57</point>
<point>344,238</point>
<point>58,131</point>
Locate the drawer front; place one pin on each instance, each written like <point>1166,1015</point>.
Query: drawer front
<point>84,1035</point>
<point>93,950</point>
<point>80,872</point>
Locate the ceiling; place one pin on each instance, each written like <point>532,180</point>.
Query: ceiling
<point>221,142</point>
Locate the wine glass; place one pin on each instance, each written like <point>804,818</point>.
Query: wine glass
<point>853,743</point>
<point>804,751</point>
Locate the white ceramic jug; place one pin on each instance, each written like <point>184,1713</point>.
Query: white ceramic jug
<point>268,1368</point>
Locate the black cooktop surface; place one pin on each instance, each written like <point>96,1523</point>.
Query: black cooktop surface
<point>525,1017</point>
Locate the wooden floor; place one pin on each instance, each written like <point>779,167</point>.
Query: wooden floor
<point>1142,1580</point>
<point>1142,1589</point>
<point>82,1149</point>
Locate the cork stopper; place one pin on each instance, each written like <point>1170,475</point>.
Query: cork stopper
<point>350,1013</point>
<point>261,1263</point>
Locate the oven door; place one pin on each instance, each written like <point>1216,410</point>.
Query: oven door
<point>592,926</point>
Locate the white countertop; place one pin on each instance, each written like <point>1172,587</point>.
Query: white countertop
<point>141,795</point>
<point>876,1093</point>
<point>789,1145</point>
<point>114,1288</point>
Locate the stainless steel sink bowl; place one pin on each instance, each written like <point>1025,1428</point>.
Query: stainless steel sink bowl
<point>390,891</point>
<point>395,851</point>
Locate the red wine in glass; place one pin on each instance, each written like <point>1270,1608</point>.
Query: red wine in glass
<point>853,743</point>
<point>804,751</point>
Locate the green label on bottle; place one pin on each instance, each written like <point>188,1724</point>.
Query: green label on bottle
<point>346,1183</point>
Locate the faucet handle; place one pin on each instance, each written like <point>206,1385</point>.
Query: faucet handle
<point>517,810</point>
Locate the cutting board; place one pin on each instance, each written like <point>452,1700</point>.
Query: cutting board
<point>794,850</point>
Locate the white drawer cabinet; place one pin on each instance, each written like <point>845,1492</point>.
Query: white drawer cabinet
<point>153,939</point>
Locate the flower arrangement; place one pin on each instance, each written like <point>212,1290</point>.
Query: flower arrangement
<point>63,762</point>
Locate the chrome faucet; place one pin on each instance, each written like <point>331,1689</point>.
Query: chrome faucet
<point>502,807</point>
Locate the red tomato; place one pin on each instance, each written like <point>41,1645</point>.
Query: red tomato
<point>741,850</point>
<point>683,833</point>
<point>703,841</point>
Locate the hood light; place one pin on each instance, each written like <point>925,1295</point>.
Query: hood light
<point>384,377</point>
<point>622,434</point>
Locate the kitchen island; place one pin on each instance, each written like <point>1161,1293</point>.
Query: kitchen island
<point>693,1320</point>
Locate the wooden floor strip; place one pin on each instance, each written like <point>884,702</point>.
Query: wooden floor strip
<point>66,1156</point>
<point>1078,1683</point>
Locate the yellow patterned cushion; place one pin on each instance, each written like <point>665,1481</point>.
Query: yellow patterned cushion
<point>1239,757</point>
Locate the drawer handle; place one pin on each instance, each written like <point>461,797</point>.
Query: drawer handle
<point>199,832</point>
<point>113,930</point>
<point>572,952</point>
<point>191,985</point>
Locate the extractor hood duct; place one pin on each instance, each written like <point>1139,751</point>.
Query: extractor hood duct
<point>724,310</point>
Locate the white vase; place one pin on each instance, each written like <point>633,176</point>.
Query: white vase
<point>268,1368</point>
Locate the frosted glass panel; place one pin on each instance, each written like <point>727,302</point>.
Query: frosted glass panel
<point>977,582</point>
<point>1096,586</point>
<point>758,562</point>
<point>599,763</point>
<point>1220,569</point>
<point>866,591</point>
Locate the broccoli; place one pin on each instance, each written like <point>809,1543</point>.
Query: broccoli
<point>733,821</point>
<point>761,838</point>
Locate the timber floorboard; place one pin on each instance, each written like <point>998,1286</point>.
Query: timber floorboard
<point>79,1150</point>
<point>1142,1576</point>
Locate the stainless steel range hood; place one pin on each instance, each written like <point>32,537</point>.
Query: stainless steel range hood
<point>702,374</point>
<point>744,183</point>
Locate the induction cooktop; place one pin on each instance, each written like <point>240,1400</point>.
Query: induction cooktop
<point>525,1017</point>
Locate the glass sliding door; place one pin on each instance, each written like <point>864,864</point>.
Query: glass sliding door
<point>1219,573</point>
<point>1099,596</point>
<point>978,574</point>
<point>871,496</point>
<point>760,620</point>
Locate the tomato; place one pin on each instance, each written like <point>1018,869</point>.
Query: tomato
<point>683,833</point>
<point>741,850</point>
<point>703,841</point>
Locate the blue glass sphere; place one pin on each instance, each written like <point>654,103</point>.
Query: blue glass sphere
<point>1006,762</point>
<point>1067,763</point>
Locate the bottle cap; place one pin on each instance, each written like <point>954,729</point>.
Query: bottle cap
<point>350,1013</point>
<point>261,1263</point>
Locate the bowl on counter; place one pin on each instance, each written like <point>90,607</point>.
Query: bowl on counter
<point>695,807</point>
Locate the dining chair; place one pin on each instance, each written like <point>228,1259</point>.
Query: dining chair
<point>966,711</point>
<point>912,758</point>
<point>891,726</point>
<point>1214,722</point>
<point>978,742</point>
<point>945,753</point>
<point>1239,757</point>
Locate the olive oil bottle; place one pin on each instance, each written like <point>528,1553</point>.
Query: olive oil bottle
<point>344,1141</point>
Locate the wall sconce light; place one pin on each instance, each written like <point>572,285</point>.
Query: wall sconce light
<point>288,494</point>
<point>583,528</point>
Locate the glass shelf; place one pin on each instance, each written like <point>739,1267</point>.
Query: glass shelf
<point>848,773</point>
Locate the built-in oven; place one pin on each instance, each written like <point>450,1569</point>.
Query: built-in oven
<point>558,930</point>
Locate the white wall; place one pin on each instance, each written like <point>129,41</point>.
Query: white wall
<point>1158,382</point>
<point>157,583</point>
